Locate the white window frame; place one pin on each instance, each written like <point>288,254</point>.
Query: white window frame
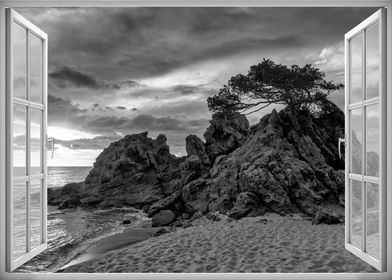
<point>14,17</point>
<point>377,17</point>
<point>194,3</point>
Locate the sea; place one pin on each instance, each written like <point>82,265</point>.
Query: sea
<point>70,232</point>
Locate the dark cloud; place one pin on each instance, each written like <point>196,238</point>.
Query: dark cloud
<point>145,42</point>
<point>186,89</point>
<point>66,76</point>
<point>63,112</point>
<point>121,107</point>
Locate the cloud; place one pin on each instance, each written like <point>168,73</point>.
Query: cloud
<point>106,121</point>
<point>66,76</point>
<point>143,122</point>
<point>187,89</point>
<point>96,143</point>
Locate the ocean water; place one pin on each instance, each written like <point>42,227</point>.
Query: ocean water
<point>59,176</point>
<point>69,231</point>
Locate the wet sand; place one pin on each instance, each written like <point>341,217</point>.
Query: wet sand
<point>261,244</point>
<point>114,242</point>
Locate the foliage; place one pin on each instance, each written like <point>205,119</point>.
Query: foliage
<point>300,88</point>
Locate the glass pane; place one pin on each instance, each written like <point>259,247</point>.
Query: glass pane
<point>356,68</point>
<point>372,140</point>
<point>36,140</point>
<point>19,140</point>
<point>373,220</point>
<point>356,213</point>
<point>372,61</point>
<point>35,69</point>
<point>19,58</point>
<point>35,218</point>
<point>19,219</point>
<point>356,140</point>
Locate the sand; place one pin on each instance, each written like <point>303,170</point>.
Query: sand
<point>260,244</point>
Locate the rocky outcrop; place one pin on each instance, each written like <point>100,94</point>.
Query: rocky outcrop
<point>134,171</point>
<point>225,134</point>
<point>281,169</point>
<point>287,163</point>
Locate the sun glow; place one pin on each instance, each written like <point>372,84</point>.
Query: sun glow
<point>67,134</point>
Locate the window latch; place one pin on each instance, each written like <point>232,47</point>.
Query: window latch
<point>50,141</point>
<point>340,141</point>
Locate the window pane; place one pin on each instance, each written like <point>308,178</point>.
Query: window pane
<point>35,69</point>
<point>373,140</point>
<point>36,140</point>
<point>356,140</point>
<point>373,220</point>
<point>19,140</point>
<point>35,218</point>
<point>356,68</point>
<point>356,213</point>
<point>19,219</point>
<point>19,58</point>
<point>372,61</point>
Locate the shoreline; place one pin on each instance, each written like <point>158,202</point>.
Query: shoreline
<point>269,243</point>
<point>72,233</point>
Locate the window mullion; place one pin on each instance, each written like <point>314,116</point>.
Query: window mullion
<point>28,146</point>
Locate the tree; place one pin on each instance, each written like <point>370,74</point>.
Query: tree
<point>300,88</point>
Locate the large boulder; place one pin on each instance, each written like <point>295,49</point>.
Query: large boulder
<point>163,218</point>
<point>226,133</point>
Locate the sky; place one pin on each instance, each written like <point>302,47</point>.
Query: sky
<point>119,71</point>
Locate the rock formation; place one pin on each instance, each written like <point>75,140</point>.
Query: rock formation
<point>225,133</point>
<point>286,163</point>
<point>281,167</point>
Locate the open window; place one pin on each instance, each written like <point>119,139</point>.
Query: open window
<point>365,115</point>
<point>366,140</point>
<point>26,109</point>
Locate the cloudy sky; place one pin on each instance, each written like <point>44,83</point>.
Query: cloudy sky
<point>119,71</point>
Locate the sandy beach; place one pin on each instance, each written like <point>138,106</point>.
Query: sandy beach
<point>255,244</point>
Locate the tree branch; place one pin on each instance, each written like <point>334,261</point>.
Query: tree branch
<point>262,107</point>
